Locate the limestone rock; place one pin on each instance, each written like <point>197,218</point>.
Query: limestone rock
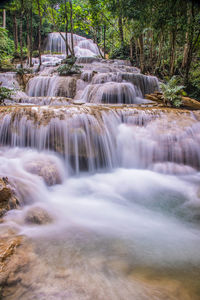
<point>187,102</point>
<point>47,169</point>
<point>37,215</point>
<point>8,200</point>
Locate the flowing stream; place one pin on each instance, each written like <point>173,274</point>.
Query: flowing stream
<point>117,177</point>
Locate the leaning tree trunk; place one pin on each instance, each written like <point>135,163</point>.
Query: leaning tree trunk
<point>39,33</point>
<point>72,27</point>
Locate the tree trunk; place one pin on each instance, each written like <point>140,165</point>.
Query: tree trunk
<point>121,33</point>
<point>173,50</point>
<point>31,36</point>
<point>120,23</point>
<point>72,27</point>
<point>131,49</point>
<point>160,51</point>
<point>28,35</point>
<point>15,31</point>
<point>141,47</point>
<point>66,30</point>
<point>39,33</point>
<point>4,18</point>
<point>21,37</point>
<point>151,51</point>
<point>104,40</point>
<point>189,46</point>
<point>136,52</point>
<point>185,51</point>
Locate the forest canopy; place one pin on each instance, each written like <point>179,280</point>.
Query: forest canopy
<point>160,38</point>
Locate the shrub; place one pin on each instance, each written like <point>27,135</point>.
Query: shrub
<point>172,93</point>
<point>6,49</point>
<point>121,52</point>
<point>22,71</point>
<point>35,53</point>
<point>5,93</point>
<point>69,67</point>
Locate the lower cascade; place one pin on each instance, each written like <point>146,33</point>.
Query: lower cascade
<point>100,186</point>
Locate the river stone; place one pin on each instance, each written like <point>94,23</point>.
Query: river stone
<point>38,215</point>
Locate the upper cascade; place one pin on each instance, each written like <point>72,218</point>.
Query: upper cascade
<point>82,47</point>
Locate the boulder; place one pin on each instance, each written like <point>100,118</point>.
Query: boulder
<point>8,199</point>
<point>38,215</point>
<point>46,169</point>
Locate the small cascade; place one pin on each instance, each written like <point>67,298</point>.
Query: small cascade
<point>82,46</point>
<point>112,92</point>
<point>9,80</point>
<point>147,84</point>
<point>55,86</point>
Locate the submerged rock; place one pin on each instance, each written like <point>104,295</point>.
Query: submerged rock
<point>46,169</point>
<point>37,215</point>
<point>8,199</point>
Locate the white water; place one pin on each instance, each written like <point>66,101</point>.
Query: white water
<point>82,46</point>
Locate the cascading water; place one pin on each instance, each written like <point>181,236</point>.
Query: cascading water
<point>113,180</point>
<point>82,46</point>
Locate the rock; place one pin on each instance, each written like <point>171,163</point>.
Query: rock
<point>78,102</point>
<point>187,102</point>
<point>47,169</point>
<point>190,103</point>
<point>8,198</point>
<point>37,215</point>
<point>7,247</point>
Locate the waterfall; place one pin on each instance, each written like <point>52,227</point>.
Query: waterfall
<point>108,184</point>
<point>51,86</point>
<point>9,80</point>
<point>112,92</point>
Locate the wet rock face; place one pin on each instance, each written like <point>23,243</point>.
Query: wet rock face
<point>37,215</point>
<point>8,200</point>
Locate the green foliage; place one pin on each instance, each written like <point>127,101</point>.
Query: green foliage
<point>193,86</point>
<point>121,52</point>
<point>22,71</point>
<point>172,93</point>
<point>5,93</point>
<point>69,61</point>
<point>69,69</point>
<point>6,49</point>
<point>35,53</point>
